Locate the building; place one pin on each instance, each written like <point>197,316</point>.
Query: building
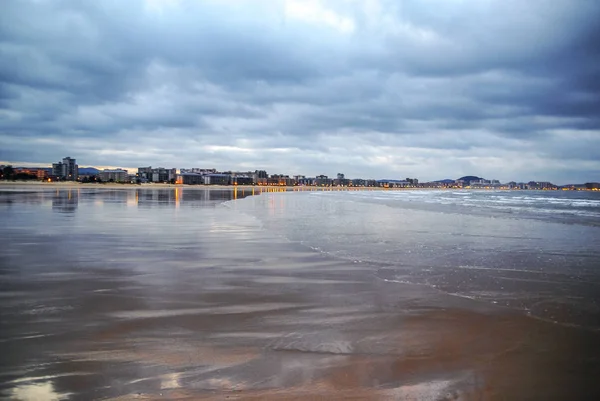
<point>217,179</point>
<point>38,172</point>
<point>358,182</point>
<point>261,174</point>
<point>57,170</point>
<point>304,181</point>
<point>242,180</point>
<point>280,180</point>
<point>159,174</point>
<point>186,178</point>
<point>67,169</point>
<point>144,174</point>
<point>323,181</point>
<point>594,186</point>
<point>545,185</point>
<point>243,177</point>
<point>260,177</point>
<point>116,175</point>
<point>42,173</point>
<point>341,180</point>
<point>394,183</point>
<point>162,174</point>
<point>540,185</point>
<point>70,169</point>
<point>198,170</point>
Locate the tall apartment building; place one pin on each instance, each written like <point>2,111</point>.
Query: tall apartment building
<point>196,170</point>
<point>117,175</point>
<point>341,180</point>
<point>159,174</point>
<point>67,169</point>
<point>323,181</point>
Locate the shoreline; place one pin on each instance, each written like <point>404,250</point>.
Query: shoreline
<point>263,188</point>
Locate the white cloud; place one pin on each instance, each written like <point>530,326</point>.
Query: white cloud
<point>313,11</point>
<point>377,88</point>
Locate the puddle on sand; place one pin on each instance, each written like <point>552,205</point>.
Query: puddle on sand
<point>36,391</point>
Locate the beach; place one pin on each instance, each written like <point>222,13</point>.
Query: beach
<point>191,293</point>
<point>64,185</point>
<point>114,185</point>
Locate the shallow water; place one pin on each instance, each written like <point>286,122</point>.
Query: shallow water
<point>191,293</point>
<point>537,251</point>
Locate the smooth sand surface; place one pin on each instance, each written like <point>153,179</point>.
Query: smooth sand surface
<point>161,303</point>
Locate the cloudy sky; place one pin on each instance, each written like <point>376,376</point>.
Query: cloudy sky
<point>505,89</point>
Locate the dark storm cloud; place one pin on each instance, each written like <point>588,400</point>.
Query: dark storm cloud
<point>375,88</point>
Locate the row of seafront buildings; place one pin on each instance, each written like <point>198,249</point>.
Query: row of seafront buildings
<point>64,170</point>
<point>68,170</point>
<point>496,184</point>
<point>196,176</point>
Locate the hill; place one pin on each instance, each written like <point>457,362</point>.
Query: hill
<point>88,171</point>
<point>468,178</point>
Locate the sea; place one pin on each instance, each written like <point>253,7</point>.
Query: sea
<point>534,251</point>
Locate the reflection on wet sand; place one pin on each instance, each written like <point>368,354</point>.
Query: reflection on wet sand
<point>163,294</point>
<point>65,201</point>
<point>34,389</point>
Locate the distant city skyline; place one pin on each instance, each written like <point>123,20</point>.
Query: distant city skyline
<point>379,88</point>
<point>135,170</point>
<point>432,176</point>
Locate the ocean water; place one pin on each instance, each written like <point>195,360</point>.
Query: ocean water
<point>538,252</point>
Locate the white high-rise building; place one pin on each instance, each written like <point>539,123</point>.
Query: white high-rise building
<point>117,175</point>
<point>66,170</point>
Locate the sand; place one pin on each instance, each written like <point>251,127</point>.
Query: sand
<point>207,305</point>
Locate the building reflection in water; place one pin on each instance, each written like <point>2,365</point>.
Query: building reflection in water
<point>65,201</point>
<point>178,196</point>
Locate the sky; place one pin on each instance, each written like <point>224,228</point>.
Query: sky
<point>432,89</point>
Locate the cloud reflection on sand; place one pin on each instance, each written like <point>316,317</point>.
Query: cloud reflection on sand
<point>39,388</point>
<point>152,303</point>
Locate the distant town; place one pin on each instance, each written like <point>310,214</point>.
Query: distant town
<point>68,170</point>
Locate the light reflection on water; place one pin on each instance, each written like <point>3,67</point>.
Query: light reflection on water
<point>151,290</point>
<point>544,266</point>
<point>36,389</point>
<point>67,200</point>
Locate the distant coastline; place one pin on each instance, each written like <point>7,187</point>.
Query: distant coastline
<point>263,188</point>
<point>114,185</point>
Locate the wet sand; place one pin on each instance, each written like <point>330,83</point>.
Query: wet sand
<point>193,300</point>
